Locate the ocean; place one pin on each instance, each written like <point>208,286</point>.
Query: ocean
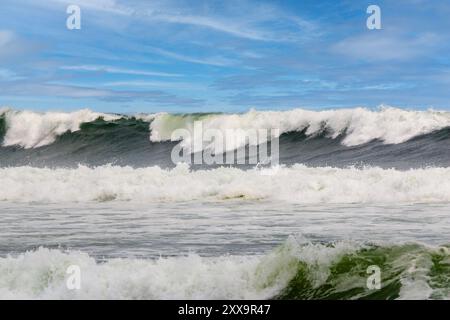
<point>353,189</point>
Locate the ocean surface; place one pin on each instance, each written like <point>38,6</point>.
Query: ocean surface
<point>354,188</point>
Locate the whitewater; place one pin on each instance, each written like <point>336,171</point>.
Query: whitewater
<point>391,125</point>
<point>354,187</point>
<point>298,184</point>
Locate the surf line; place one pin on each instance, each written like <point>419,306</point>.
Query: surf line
<point>189,310</point>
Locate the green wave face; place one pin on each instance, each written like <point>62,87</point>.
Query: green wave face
<point>291,271</point>
<point>2,128</point>
<point>334,271</point>
<point>94,139</point>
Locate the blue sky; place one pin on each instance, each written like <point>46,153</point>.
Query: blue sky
<point>202,56</point>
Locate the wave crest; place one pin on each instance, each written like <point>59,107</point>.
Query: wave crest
<point>358,126</point>
<point>29,129</point>
<point>291,271</point>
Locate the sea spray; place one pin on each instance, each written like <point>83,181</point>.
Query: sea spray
<point>291,271</point>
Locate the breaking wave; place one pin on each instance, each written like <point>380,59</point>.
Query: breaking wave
<point>359,125</point>
<point>29,129</point>
<point>291,271</point>
<point>298,184</point>
<point>387,137</point>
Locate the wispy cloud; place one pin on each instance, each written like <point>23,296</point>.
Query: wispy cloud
<point>8,75</point>
<point>269,80</point>
<point>251,26</point>
<point>82,92</point>
<point>107,69</point>
<point>110,6</point>
<point>251,20</point>
<point>5,37</point>
<point>155,84</point>
<point>53,90</point>
<point>380,46</point>
<point>11,46</point>
<point>244,19</point>
<point>213,61</point>
<point>223,53</point>
<point>231,27</point>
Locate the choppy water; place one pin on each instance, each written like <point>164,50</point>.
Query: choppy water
<point>356,188</point>
<point>232,250</point>
<point>114,230</point>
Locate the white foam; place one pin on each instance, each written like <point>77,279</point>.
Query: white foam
<point>391,125</point>
<point>361,125</point>
<point>31,129</point>
<point>298,184</point>
<point>415,281</point>
<point>42,274</point>
<point>146,117</point>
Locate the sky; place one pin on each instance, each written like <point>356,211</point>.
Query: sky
<point>223,56</point>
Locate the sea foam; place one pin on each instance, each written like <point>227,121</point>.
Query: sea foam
<point>291,271</point>
<point>30,129</point>
<point>298,184</point>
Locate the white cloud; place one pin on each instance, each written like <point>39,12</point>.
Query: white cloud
<point>155,84</point>
<point>213,61</point>
<point>242,19</point>
<point>376,45</point>
<point>107,69</point>
<point>110,6</point>
<point>5,38</point>
<point>12,47</point>
<point>53,90</point>
<point>231,27</point>
<point>8,75</point>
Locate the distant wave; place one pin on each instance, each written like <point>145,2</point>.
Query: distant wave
<point>291,271</point>
<point>391,125</point>
<point>297,184</point>
<point>29,129</point>
<point>358,126</point>
<point>387,137</point>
